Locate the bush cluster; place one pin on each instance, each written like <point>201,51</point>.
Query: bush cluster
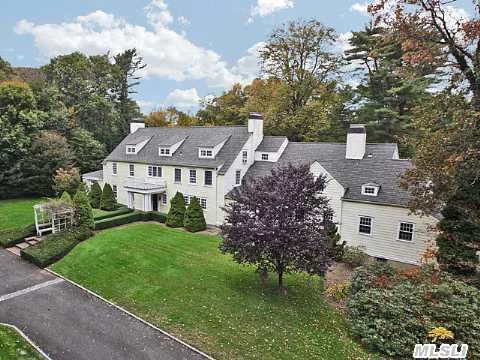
<point>354,256</point>
<point>119,211</point>
<point>56,246</point>
<point>391,312</point>
<point>9,238</point>
<point>130,218</point>
<point>83,210</point>
<point>176,214</point>
<point>194,220</point>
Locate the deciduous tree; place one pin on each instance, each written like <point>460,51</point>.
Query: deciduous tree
<point>278,222</point>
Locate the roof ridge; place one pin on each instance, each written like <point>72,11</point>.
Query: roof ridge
<point>194,127</point>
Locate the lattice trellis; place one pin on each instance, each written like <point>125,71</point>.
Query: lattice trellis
<point>53,216</point>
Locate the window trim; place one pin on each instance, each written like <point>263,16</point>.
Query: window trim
<point>186,199</point>
<point>375,188</point>
<point>206,156</point>
<point>115,190</point>
<point>159,171</point>
<point>166,149</point>
<point>244,156</point>
<point>131,168</point>
<point>114,168</point>
<point>398,231</point>
<point>205,177</point>
<point>190,177</point>
<point>238,177</point>
<point>206,203</point>
<point>129,147</point>
<point>371,225</point>
<point>164,196</point>
<point>175,175</point>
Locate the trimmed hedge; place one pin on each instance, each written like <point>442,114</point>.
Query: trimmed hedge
<point>54,247</point>
<point>129,218</point>
<point>120,211</point>
<point>12,237</point>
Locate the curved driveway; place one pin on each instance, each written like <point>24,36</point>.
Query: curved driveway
<point>69,323</point>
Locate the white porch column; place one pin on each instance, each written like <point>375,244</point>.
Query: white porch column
<point>130,198</point>
<point>147,202</point>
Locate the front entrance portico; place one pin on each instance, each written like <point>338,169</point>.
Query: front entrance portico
<point>140,195</point>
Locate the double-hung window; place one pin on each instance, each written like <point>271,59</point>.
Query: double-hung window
<point>365,226</point>
<point>164,198</point>
<point>203,203</point>
<point>131,170</point>
<point>238,177</point>
<point>193,177</point>
<point>154,171</point>
<point>186,199</point>
<point>405,231</point>
<point>208,177</point>
<point>114,189</point>
<point>178,175</point>
<point>114,168</point>
<point>244,156</point>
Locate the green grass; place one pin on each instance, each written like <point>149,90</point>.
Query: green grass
<point>13,346</point>
<point>17,213</point>
<point>100,212</point>
<point>182,283</point>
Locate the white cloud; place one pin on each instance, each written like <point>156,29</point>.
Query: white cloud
<point>182,20</point>
<point>267,7</point>
<point>362,8</point>
<point>247,66</point>
<point>183,99</point>
<point>343,42</point>
<point>168,54</point>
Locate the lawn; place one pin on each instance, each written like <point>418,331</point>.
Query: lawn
<point>100,212</point>
<point>180,282</point>
<point>13,346</point>
<point>17,213</point>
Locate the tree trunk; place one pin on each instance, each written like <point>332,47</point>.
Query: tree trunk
<point>280,279</point>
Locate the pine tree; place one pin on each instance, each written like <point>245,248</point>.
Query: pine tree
<point>194,220</point>
<point>176,214</point>
<point>95,195</point>
<point>83,210</point>
<point>459,240</point>
<point>66,197</point>
<point>107,201</point>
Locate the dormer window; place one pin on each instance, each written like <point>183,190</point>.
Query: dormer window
<point>370,189</point>
<point>131,149</point>
<point>205,153</point>
<point>164,151</point>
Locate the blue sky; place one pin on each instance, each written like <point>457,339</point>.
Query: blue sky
<point>192,48</point>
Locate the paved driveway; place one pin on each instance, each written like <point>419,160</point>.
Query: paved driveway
<point>69,323</point>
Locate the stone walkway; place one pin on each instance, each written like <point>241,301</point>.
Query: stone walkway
<point>23,245</point>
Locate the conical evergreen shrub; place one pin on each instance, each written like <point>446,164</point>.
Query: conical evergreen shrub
<point>108,198</point>
<point>194,219</point>
<point>177,211</point>
<point>83,210</point>
<point>66,197</point>
<point>95,195</point>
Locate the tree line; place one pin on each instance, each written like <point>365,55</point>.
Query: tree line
<point>68,114</point>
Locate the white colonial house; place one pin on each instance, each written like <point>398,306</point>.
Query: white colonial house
<point>151,164</point>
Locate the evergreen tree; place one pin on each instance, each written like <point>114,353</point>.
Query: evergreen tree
<point>83,210</point>
<point>176,214</point>
<point>387,94</point>
<point>459,240</point>
<point>66,197</point>
<point>95,195</point>
<point>194,220</point>
<point>108,200</point>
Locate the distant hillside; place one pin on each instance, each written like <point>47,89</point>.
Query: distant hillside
<point>27,74</point>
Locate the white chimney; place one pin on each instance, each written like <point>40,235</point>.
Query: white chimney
<point>356,141</point>
<point>136,124</point>
<point>255,127</point>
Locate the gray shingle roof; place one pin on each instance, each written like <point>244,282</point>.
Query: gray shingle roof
<point>97,175</point>
<point>380,168</point>
<point>137,140</point>
<point>271,143</point>
<point>187,153</point>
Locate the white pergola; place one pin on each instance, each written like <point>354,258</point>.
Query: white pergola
<point>53,216</point>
